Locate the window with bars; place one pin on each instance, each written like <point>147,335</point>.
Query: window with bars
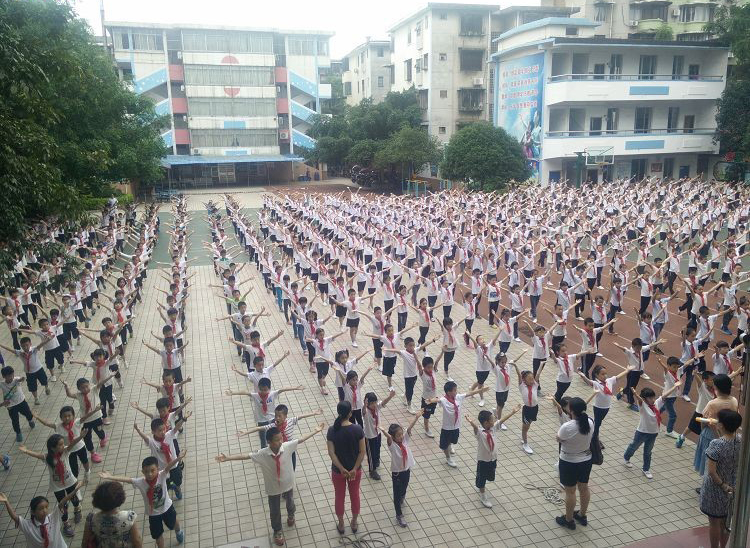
<point>225,106</point>
<point>218,138</point>
<point>228,75</point>
<point>304,46</point>
<point>234,42</point>
<point>148,42</point>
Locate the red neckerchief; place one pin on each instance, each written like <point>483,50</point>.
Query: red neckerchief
<point>372,279</point>
<point>44,534</point>
<point>59,467</point>
<point>727,362</point>
<point>619,294</point>
<point>674,375</point>
<point>426,315</point>
<point>321,343</point>
<point>452,400</point>
<point>120,318</point>
<point>374,417</point>
<point>544,344</point>
<point>450,336</point>
<point>566,364</point>
<point>702,297</point>
<point>150,492</point>
<point>404,453</point>
<point>490,440</point>
<point>657,413</point>
<point>471,308</point>
<point>605,388</point>
<point>354,303</point>
<point>507,327</point>
<point>264,401</point>
<point>692,350</point>
<point>389,288</point>
<point>534,286</point>
<point>170,394</point>
<point>27,361</point>
<point>403,300</point>
<point>259,350</point>
<point>69,430</point>
<point>600,309</point>
<point>432,377</point>
<point>354,395</point>
<point>531,388</point>
<point>390,340</point>
<point>86,402</point>
<point>382,326</point>
<point>504,371</point>
<point>282,429</point>
<point>650,286</point>
<point>169,360</point>
<point>164,446</point>
<point>277,459</point>
<point>590,335</point>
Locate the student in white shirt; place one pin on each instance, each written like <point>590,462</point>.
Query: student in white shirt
<point>34,372</point>
<point>604,388</point>
<point>275,462</point>
<point>487,448</point>
<point>634,355</point>
<point>15,400</point>
<point>648,427</point>
<point>322,358</point>
<point>502,382</point>
<point>528,386</point>
<point>153,487</point>
<point>42,529</point>
<point>371,427</point>
<point>402,460</point>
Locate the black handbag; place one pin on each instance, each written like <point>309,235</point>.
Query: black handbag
<point>597,456</point>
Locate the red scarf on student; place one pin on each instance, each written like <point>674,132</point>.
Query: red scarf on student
<point>354,396</point>
<point>567,365</point>
<point>27,361</point>
<point>282,429</point>
<point>150,492</point>
<point>506,377</point>
<point>169,360</point>
<point>452,400</point>
<point>657,413</point>
<point>432,377</point>
<point>277,459</point>
<point>728,363</point>
<point>590,335</point>
<point>382,325</point>
<point>170,394</point>
<point>450,337</point>
<point>164,446</point>
<point>44,534</point>
<point>264,401</point>
<point>606,389</point>
<point>507,326</point>
<point>390,340</point>
<point>354,303</point>
<point>259,350</point>
<point>404,453</point>
<point>59,467</point>
<point>69,430</point>
<point>87,402</point>
<point>490,440</point>
<point>531,393</point>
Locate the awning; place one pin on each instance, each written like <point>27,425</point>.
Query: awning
<point>185,159</point>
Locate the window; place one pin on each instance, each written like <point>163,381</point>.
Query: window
<point>689,123</point>
<point>418,65</point>
<point>694,71</point>
<point>323,48</point>
<point>673,119</point>
<point>642,120</point>
<point>470,100</point>
<point>654,12</point>
<point>381,83</point>
<point>418,29</point>
<point>441,130</point>
<point>225,106</point>
<point>647,67</point>
<point>426,23</point>
<point>301,46</point>
<point>668,172</point>
<point>228,75</point>
<point>233,138</point>
<point>471,59</point>
<point>443,93</point>
<point>124,40</point>
<point>471,25</point>
<point>347,88</point>
<point>598,71</point>
<point>601,14</point>
<point>443,16</point>
<point>615,66</point>
<point>638,167</point>
<point>359,89</point>
<point>148,42</point>
<point>678,62</point>
<point>407,70</point>
<point>687,14</point>
<point>571,31</point>
<point>443,56</point>
<point>693,37</point>
<point>235,42</point>
<point>613,116</point>
<point>380,52</point>
<point>424,62</point>
<point>408,37</point>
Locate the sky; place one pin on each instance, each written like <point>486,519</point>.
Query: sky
<point>351,20</point>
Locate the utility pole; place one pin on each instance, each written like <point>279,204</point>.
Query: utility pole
<point>104,30</point>
<point>580,163</point>
<point>741,510</point>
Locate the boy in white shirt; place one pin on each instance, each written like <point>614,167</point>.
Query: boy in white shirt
<point>275,462</point>
<point>14,400</point>
<point>32,366</point>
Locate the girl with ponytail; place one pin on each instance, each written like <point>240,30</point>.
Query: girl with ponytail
<point>575,462</point>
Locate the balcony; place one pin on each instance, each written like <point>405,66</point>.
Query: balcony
<point>585,88</point>
<point>560,144</point>
<point>179,105</point>
<point>176,73</point>
<point>300,139</point>
<point>650,25</point>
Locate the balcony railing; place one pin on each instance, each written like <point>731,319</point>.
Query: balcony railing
<point>631,132</point>
<point>635,77</point>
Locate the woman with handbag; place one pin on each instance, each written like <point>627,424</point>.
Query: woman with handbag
<point>111,527</point>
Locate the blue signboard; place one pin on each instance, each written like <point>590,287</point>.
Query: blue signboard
<point>520,103</point>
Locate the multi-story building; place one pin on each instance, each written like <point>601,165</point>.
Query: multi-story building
<point>238,100</point>
<point>642,18</point>
<point>644,108</point>
<point>367,72</point>
<point>442,51</point>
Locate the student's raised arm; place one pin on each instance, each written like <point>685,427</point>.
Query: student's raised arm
<point>311,434</point>
<point>9,508</point>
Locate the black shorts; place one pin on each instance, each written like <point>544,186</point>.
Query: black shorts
<point>352,322</point>
<point>361,286</point>
<point>448,437</point>
<point>572,473</point>
<point>501,398</point>
<point>156,523</point>
<point>482,376</point>
<point>389,366</point>
<point>41,377</point>
<point>529,413</point>
<point>314,277</point>
<point>322,368</point>
<point>340,311</point>
<point>693,425</point>
<point>485,472</point>
<point>323,288</point>
<point>429,409</point>
<point>306,272</point>
<point>377,345</point>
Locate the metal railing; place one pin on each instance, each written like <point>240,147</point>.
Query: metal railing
<point>635,77</point>
<point>631,132</point>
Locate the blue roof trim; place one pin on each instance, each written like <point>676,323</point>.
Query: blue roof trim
<point>567,21</point>
<point>496,56</point>
<point>184,159</point>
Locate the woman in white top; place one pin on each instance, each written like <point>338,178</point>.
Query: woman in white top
<point>402,460</point>
<point>574,438</point>
<point>111,527</point>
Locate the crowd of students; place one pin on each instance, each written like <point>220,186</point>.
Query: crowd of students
<point>455,258</point>
<point>531,263</point>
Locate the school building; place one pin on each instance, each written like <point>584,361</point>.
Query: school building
<point>238,100</point>
<point>581,102</point>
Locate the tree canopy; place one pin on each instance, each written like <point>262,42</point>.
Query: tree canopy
<point>485,155</point>
<point>70,127</point>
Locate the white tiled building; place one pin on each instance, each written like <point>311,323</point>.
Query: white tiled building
<point>650,105</point>
<point>367,72</point>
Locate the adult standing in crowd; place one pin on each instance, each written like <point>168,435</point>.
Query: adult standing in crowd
<point>111,527</point>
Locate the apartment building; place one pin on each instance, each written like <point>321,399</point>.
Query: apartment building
<point>644,108</point>
<point>366,72</point>
<point>238,100</point>
<point>641,19</point>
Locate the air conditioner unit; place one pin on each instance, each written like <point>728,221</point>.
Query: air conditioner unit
<point>478,81</point>
<point>283,135</point>
<point>184,118</point>
<point>182,87</point>
<point>633,23</point>
<point>676,12</point>
<point>196,152</point>
<point>179,55</point>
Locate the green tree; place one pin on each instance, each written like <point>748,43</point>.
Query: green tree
<point>69,126</point>
<point>664,32</point>
<point>363,152</point>
<point>408,147</point>
<point>485,155</point>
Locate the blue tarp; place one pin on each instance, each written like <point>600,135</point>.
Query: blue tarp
<point>184,159</point>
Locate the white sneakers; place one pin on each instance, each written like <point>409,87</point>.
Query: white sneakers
<point>648,474</point>
<point>410,409</point>
<point>450,462</point>
<point>627,463</point>
<point>485,500</point>
<point>517,339</point>
<point>429,434</point>
<point>673,434</point>
<point>354,344</point>
<point>686,397</point>
<point>503,427</point>
<point>481,402</point>
<point>645,377</point>
<point>527,449</point>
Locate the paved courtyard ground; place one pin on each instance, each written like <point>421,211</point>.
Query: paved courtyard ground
<point>225,503</point>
